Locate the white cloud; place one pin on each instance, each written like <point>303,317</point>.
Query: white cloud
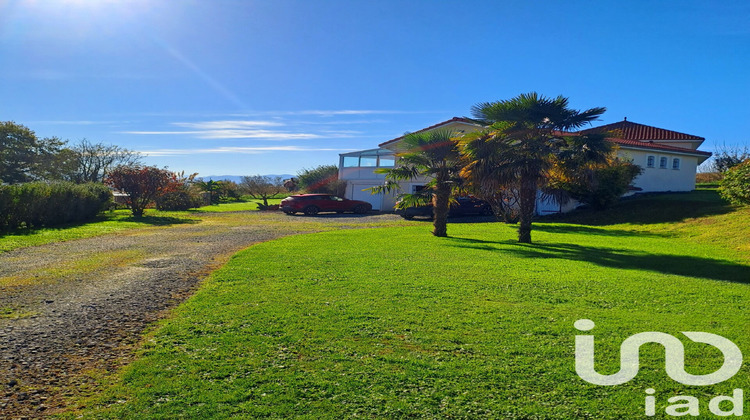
<point>240,150</point>
<point>227,124</point>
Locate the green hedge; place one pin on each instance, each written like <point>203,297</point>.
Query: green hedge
<point>38,204</point>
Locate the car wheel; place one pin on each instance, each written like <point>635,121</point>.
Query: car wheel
<point>311,210</point>
<point>407,216</point>
<point>487,211</point>
<point>290,212</point>
<point>360,209</point>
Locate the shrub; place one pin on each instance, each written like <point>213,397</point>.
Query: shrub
<point>599,185</point>
<point>38,204</point>
<point>179,200</point>
<point>735,187</point>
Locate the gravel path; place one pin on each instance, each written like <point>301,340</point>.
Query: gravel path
<point>83,305</point>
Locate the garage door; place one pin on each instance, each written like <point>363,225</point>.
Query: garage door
<point>358,194</point>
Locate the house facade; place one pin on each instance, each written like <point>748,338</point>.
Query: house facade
<point>669,160</point>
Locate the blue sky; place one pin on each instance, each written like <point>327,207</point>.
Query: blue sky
<point>244,87</point>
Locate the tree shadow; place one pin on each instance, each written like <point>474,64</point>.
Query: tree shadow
<point>650,208</point>
<point>588,230</point>
<point>682,265</point>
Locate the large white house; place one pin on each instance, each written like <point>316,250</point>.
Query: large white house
<point>669,160</point>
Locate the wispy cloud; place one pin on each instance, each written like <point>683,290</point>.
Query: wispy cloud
<point>228,124</point>
<point>240,150</point>
<point>75,122</point>
<point>243,129</point>
<point>234,134</point>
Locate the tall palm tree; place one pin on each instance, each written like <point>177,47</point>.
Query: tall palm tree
<point>528,134</point>
<point>433,155</point>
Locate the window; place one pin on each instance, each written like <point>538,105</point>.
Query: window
<point>387,162</point>
<point>368,161</point>
<point>651,161</point>
<point>676,163</point>
<point>663,163</point>
<point>351,161</point>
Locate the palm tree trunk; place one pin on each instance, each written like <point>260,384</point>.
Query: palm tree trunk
<point>527,203</point>
<point>440,208</point>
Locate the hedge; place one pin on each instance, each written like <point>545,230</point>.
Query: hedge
<point>38,204</point>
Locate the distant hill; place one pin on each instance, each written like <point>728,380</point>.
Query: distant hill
<point>238,178</point>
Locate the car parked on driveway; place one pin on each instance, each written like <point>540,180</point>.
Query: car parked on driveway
<point>311,204</point>
<point>463,206</point>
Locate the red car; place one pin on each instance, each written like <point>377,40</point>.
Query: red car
<point>314,203</point>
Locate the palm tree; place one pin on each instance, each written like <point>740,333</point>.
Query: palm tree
<point>432,155</point>
<point>527,135</point>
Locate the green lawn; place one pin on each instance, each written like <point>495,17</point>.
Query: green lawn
<point>115,221</point>
<point>238,206</point>
<point>107,222</point>
<point>392,323</point>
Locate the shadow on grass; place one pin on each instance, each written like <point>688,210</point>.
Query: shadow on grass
<point>682,265</point>
<point>588,230</point>
<point>649,209</point>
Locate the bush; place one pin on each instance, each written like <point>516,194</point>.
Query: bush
<point>735,187</point>
<point>600,185</point>
<point>179,200</point>
<point>38,204</point>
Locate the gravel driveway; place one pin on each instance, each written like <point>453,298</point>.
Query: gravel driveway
<point>81,307</point>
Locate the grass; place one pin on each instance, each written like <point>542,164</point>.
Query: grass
<point>392,322</point>
<point>116,221</point>
<point>105,223</point>
<point>249,205</point>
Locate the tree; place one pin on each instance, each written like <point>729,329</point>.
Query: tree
<point>529,131</point>
<point>729,157</point>
<point>220,190</point>
<point>95,160</point>
<point>735,187</point>
<point>262,187</point>
<point>433,155</point>
<point>22,154</point>
<point>143,184</point>
<point>322,179</point>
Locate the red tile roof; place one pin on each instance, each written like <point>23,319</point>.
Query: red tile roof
<point>454,119</point>
<point>628,130</point>
<point>628,134</point>
<point>656,146</point>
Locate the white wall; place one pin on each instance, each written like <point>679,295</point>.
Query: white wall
<point>657,179</point>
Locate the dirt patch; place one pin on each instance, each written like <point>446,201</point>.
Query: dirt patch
<point>73,312</point>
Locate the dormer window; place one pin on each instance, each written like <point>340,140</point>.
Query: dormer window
<point>663,163</point>
<point>651,161</point>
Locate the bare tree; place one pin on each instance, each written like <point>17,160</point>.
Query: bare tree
<point>262,187</point>
<point>96,160</point>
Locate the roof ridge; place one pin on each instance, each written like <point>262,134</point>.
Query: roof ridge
<point>454,119</point>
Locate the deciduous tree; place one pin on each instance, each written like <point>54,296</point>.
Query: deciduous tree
<point>143,184</point>
<point>262,187</point>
